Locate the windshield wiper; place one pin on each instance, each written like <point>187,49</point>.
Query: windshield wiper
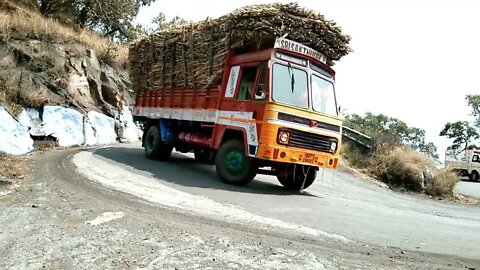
<point>292,76</point>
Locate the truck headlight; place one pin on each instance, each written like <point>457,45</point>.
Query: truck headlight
<point>333,146</point>
<point>283,137</point>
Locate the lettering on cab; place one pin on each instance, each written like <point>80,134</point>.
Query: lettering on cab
<point>289,45</point>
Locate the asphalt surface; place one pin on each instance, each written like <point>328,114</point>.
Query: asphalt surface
<point>468,188</point>
<point>340,204</point>
<point>112,208</point>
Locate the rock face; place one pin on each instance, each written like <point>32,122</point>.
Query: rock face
<point>62,92</point>
<point>68,75</point>
<point>15,138</point>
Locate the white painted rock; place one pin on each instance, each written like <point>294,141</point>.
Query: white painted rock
<point>30,118</point>
<point>130,131</point>
<point>103,129</point>
<point>15,139</point>
<point>90,137</point>
<point>64,124</point>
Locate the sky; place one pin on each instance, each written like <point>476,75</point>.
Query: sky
<point>412,60</point>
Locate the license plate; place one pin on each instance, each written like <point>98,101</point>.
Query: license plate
<point>308,158</point>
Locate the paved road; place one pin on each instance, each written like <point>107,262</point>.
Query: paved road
<point>339,206</point>
<point>469,188</point>
<point>125,217</point>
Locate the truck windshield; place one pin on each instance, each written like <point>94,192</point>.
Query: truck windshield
<point>323,96</point>
<point>290,85</point>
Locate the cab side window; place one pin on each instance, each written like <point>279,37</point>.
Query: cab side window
<point>247,82</point>
<point>261,90</point>
<point>476,159</point>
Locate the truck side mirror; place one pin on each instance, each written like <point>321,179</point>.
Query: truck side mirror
<point>260,93</point>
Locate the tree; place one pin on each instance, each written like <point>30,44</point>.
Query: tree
<point>113,18</point>
<point>462,134</point>
<point>473,102</point>
<point>59,9</point>
<point>387,131</point>
<point>160,22</point>
<point>430,150</point>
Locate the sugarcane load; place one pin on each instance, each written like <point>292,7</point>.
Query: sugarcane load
<point>251,91</point>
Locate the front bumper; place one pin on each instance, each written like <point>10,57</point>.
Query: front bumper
<point>285,154</point>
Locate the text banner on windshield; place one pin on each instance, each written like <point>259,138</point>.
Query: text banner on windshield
<point>289,45</point>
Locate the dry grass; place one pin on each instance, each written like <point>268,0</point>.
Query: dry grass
<point>443,183</point>
<point>402,167</point>
<point>45,145</point>
<point>355,156</point>
<point>13,96</point>
<point>13,167</point>
<point>19,23</point>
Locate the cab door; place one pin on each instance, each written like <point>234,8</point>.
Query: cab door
<point>243,103</point>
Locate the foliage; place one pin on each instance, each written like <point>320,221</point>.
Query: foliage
<point>20,23</point>
<point>430,150</point>
<point>400,157</point>
<point>390,132</point>
<point>473,102</point>
<point>160,22</point>
<point>112,18</point>
<point>462,134</point>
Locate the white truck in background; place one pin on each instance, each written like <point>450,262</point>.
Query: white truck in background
<point>469,165</point>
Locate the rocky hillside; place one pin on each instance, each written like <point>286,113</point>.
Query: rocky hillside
<point>43,62</point>
<point>51,74</point>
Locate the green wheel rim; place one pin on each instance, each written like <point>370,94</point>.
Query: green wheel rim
<point>150,141</point>
<point>234,162</point>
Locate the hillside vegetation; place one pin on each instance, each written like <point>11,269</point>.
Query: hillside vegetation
<point>401,157</point>
<point>17,23</point>
<point>44,61</point>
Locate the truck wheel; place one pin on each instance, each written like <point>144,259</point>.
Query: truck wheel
<point>204,156</point>
<point>294,182</point>
<point>154,147</point>
<point>233,166</point>
<point>474,176</point>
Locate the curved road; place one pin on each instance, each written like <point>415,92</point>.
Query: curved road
<point>339,205</point>
<point>111,208</point>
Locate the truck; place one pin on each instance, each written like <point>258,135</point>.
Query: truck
<point>273,111</point>
<point>469,166</point>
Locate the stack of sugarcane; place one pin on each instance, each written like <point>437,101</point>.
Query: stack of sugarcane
<point>193,55</point>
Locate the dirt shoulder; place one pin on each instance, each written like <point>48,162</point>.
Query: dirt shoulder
<point>14,168</point>
<point>64,221</point>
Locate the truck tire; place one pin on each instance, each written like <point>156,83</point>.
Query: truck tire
<point>204,156</point>
<point>154,147</point>
<point>294,182</point>
<point>474,176</point>
<point>233,166</point>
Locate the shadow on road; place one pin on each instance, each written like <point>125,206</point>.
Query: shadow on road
<point>185,171</point>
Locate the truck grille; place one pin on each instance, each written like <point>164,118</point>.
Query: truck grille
<point>306,121</point>
<point>310,141</point>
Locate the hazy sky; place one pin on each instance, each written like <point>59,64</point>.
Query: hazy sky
<point>413,60</point>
